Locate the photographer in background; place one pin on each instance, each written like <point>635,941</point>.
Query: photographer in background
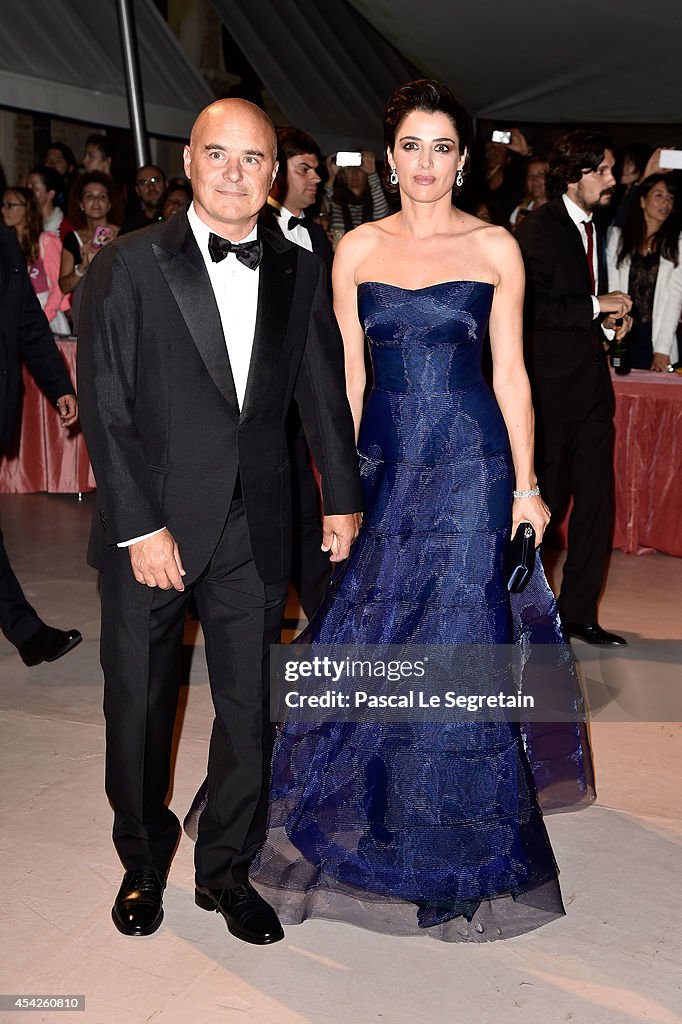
<point>536,191</point>
<point>354,192</point>
<point>505,158</point>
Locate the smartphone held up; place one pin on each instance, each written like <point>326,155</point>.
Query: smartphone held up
<point>671,158</point>
<point>348,159</point>
<point>101,237</point>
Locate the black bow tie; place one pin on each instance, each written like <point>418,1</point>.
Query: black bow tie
<point>293,221</point>
<point>248,253</point>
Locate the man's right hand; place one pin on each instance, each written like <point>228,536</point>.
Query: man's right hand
<point>156,562</point>
<point>617,303</point>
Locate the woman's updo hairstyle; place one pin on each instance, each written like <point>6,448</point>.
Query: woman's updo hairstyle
<point>434,98</point>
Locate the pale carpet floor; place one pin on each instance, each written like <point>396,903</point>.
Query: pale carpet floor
<point>614,958</point>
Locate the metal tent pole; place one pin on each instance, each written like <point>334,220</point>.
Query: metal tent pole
<point>131,69</point>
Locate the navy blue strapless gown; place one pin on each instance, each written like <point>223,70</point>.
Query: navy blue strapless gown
<point>427,827</point>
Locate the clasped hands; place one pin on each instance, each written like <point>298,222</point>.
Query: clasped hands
<point>156,561</point>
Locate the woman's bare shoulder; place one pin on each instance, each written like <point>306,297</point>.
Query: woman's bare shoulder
<point>356,245</point>
<point>499,244</point>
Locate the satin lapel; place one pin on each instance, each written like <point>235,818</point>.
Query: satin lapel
<point>182,266</point>
<point>275,292</point>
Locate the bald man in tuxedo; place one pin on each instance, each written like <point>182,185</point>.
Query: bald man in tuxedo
<point>197,336</point>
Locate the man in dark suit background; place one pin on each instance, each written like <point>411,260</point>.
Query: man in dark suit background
<point>567,313</point>
<point>191,351</point>
<point>294,192</point>
<point>25,337</point>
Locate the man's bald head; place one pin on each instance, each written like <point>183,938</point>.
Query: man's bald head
<point>236,108</point>
<point>231,162</point>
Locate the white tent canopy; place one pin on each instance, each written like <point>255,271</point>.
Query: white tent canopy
<point>64,58</point>
<point>327,69</point>
<point>534,60</point>
<point>331,64</point>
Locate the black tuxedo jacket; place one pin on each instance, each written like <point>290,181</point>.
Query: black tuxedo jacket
<point>25,336</point>
<point>269,217</point>
<point>159,408</point>
<point>564,344</point>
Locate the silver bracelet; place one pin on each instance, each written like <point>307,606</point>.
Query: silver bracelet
<point>533,493</point>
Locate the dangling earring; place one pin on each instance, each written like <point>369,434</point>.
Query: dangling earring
<point>459,180</point>
<point>393,176</point>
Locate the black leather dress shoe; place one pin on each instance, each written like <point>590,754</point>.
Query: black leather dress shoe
<point>246,913</point>
<point>138,909</point>
<point>592,633</point>
<point>48,644</point>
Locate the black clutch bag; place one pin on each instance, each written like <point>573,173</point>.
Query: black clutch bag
<point>520,558</point>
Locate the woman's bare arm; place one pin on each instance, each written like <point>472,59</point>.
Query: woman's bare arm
<point>346,259</point>
<point>510,380</point>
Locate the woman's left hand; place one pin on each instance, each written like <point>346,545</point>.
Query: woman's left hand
<point>660,363</point>
<point>533,511</point>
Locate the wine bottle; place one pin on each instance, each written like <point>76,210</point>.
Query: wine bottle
<point>620,356</point>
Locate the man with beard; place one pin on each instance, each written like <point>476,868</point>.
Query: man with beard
<point>568,316</point>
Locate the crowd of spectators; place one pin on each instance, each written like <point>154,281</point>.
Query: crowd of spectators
<point>64,212</point>
<point>83,206</point>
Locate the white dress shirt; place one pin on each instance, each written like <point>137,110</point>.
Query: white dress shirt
<point>578,216</point>
<point>235,287</point>
<point>298,234</point>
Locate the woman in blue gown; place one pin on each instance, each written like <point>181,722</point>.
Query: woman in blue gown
<point>430,827</point>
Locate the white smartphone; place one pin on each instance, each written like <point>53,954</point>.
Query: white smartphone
<point>348,159</point>
<point>671,158</point>
<point>500,136</point>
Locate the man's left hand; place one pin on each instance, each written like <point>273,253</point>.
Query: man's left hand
<point>338,533</point>
<point>621,329</point>
<point>67,407</point>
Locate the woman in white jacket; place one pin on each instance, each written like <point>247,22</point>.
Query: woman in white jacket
<point>644,260</point>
